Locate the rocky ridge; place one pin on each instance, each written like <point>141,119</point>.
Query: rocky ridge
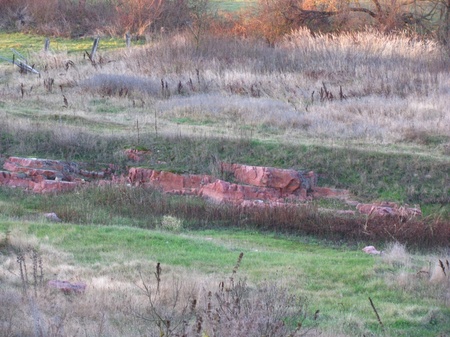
<point>250,186</point>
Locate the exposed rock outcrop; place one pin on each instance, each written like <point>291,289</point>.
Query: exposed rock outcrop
<point>223,191</point>
<point>168,182</point>
<point>388,208</point>
<point>371,250</point>
<point>52,217</point>
<point>255,185</point>
<point>287,181</point>
<point>252,186</point>
<point>46,176</point>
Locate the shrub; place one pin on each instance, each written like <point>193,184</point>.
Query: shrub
<point>121,85</point>
<point>233,309</point>
<point>14,14</point>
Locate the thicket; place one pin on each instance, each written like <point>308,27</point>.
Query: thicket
<point>264,19</point>
<point>71,18</point>
<point>431,18</point>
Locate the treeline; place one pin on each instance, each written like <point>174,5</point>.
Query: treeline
<point>77,18</point>
<point>266,19</point>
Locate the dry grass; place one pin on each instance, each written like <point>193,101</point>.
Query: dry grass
<point>380,89</point>
<point>396,255</point>
<point>124,298</point>
<point>132,299</point>
<point>425,275</point>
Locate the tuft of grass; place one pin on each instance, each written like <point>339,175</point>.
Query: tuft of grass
<point>396,255</point>
<point>170,223</point>
<point>120,85</point>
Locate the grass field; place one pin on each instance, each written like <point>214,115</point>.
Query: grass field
<point>335,280</point>
<point>382,134</point>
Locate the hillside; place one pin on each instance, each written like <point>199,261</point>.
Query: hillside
<point>366,112</point>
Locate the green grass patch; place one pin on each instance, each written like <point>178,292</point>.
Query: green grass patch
<point>336,281</point>
<point>23,43</point>
<point>108,108</point>
<point>29,44</point>
<point>233,5</point>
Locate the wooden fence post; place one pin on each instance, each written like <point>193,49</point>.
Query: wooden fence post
<point>94,48</point>
<point>128,40</point>
<point>47,44</point>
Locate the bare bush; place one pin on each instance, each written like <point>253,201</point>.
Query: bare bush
<point>121,85</point>
<point>136,16</point>
<point>276,17</point>
<point>14,15</point>
<point>174,16</point>
<point>58,17</point>
<point>235,308</point>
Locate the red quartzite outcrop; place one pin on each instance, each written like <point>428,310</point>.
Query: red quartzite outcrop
<point>35,183</point>
<point>287,181</point>
<point>253,186</point>
<point>223,191</point>
<point>168,182</point>
<point>256,185</point>
<point>45,176</point>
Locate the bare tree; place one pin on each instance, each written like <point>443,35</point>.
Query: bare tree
<point>443,22</point>
<point>175,15</point>
<point>136,16</point>
<point>431,17</point>
<point>200,16</point>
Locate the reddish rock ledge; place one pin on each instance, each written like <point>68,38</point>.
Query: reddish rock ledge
<point>256,185</point>
<point>46,176</point>
<point>253,186</point>
<point>388,209</point>
<point>168,182</point>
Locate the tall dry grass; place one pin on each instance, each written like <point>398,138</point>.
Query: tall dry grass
<point>365,86</point>
<point>135,300</point>
<point>427,275</point>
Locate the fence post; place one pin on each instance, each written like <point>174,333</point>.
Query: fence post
<point>128,40</point>
<point>47,44</point>
<point>94,48</point>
